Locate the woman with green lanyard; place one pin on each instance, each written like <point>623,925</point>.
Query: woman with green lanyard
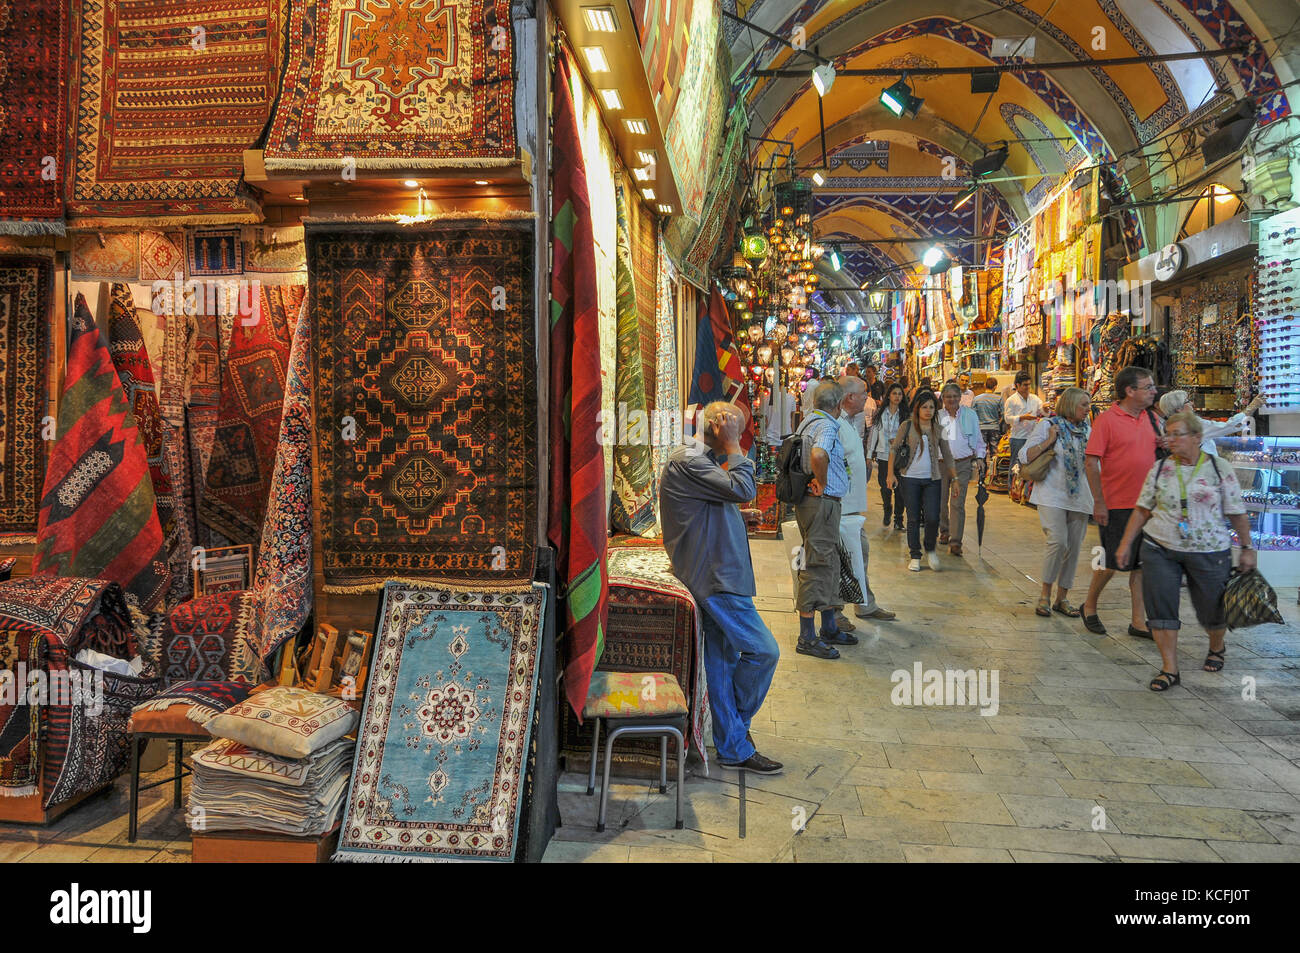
<point>1180,514</point>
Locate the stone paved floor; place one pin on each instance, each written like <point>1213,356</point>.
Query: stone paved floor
<point>1197,774</point>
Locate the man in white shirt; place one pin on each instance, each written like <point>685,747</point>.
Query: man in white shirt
<point>967,395</point>
<point>961,429</point>
<point>807,405</point>
<point>1021,411</point>
<point>853,508</point>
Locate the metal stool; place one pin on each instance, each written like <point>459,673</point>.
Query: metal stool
<point>637,703</point>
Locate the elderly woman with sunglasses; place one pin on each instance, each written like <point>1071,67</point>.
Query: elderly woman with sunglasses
<point>1180,514</point>
<point>1178,401</point>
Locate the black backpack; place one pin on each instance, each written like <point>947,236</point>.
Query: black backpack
<point>1161,452</point>
<point>791,478</point>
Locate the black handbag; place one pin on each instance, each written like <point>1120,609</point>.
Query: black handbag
<point>850,591</point>
<point>903,455</point>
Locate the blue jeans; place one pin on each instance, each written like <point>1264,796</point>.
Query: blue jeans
<point>1016,444</point>
<point>739,660</point>
<point>922,499</point>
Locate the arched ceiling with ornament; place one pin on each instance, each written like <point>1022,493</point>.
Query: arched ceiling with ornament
<point>886,175</point>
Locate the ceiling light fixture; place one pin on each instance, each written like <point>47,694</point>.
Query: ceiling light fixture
<point>638,127</point>
<point>481,182</point>
<point>935,259</point>
<point>818,178</point>
<point>666,209</point>
<point>990,162</point>
<point>649,194</point>
<point>985,80</point>
<point>600,19</point>
<point>647,156</point>
<point>596,62</point>
<point>823,78</point>
<point>966,195</point>
<point>642,175</point>
<point>411,184</point>
<point>612,101</point>
<point>898,99</point>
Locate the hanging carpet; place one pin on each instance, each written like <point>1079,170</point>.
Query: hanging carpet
<point>576,521</point>
<point>26,286</point>
<point>238,478</point>
<point>445,729</point>
<point>633,503</point>
<point>717,373</point>
<point>396,84</point>
<point>34,121</point>
<point>98,518</point>
<point>426,403</point>
<point>282,580</point>
<point>134,133</point>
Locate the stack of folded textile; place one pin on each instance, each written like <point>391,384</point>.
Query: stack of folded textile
<point>240,788</point>
<point>280,764</point>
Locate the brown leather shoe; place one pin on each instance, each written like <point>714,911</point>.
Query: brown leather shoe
<point>955,549</point>
<point>944,539</point>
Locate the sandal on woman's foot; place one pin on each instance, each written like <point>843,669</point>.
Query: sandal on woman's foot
<point>1165,681</point>
<point>1214,660</point>
<point>1044,608</point>
<point>1066,609</point>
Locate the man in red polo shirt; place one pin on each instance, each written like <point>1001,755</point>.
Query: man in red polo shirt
<point>1121,452</point>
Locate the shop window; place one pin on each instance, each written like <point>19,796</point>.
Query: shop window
<point>1216,204</point>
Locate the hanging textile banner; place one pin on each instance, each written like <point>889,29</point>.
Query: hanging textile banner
<point>383,84</point>
<point>718,374</point>
<point>632,507</point>
<point>668,399</point>
<point>695,263</point>
<point>576,521</point>
<point>133,132</point>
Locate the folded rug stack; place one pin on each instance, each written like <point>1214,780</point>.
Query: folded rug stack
<point>280,764</point>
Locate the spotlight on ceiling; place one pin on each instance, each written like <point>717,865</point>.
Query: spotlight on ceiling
<point>966,195</point>
<point>898,99</point>
<point>818,178</point>
<point>836,259</point>
<point>1234,126</point>
<point>823,78</point>
<point>985,80</point>
<point>990,162</point>
<point>935,259</point>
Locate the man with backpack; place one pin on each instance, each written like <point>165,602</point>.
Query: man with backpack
<point>817,509</point>
<point>701,490</point>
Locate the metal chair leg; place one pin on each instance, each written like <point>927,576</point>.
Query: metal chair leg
<point>681,776</point>
<point>176,783</point>
<point>604,784</point>
<point>663,764</point>
<point>595,750</point>
<point>133,819</point>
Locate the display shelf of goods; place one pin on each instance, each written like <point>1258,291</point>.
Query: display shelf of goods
<point>1268,469</point>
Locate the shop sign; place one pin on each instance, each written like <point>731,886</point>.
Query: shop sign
<point>1170,261</point>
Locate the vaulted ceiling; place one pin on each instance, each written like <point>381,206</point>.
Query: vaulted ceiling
<point>897,178</point>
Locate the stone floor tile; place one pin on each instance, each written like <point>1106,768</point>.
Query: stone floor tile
<point>929,805</point>
<point>963,739</point>
<point>570,852</point>
<point>1045,857</point>
<point>1053,813</point>
<point>1024,838</point>
<point>1201,823</point>
<point>1110,731</point>
<point>1283,825</point>
<point>1027,763</point>
<point>835,850</point>
<point>1160,848</point>
<point>932,854</point>
<point>1103,791</point>
<point>1216,753</point>
<point>896,829</point>
<point>1030,727</point>
<point>1236,777</point>
<point>668,855</point>
<point>930,757</point>
<point>1237,852</point>
<point>992,783</point>
<point>1139,770</point>
<point>1220,797</point>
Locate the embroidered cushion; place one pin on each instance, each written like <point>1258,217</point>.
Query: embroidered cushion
<point>289,722</point>
<point>632,695</point>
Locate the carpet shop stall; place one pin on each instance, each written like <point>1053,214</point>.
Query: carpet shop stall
<point>273,438</point>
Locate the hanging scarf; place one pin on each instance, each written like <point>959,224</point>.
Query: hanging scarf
<point>1074,439</point>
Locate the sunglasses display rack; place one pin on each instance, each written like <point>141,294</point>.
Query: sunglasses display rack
<point>1268,469</point>
<point>1277,312</point>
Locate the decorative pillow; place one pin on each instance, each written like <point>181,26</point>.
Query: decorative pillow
<point>290,722</point>
<point>633,695</point>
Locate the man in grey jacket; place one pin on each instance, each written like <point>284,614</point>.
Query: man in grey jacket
<point>700,492</point>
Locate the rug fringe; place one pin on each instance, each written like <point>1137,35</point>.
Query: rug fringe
<point>464,586</point>
<point>27,790</point>
<point>410,221</point>
<point>7,540</point>
<point>250,217</point>
<point>33,227</point>
<point>199,714</point>
<point>364,164</point>
<point>352,857</point>
<point>273,279</point>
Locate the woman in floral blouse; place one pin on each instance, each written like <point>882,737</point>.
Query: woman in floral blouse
<point>1180,515</point>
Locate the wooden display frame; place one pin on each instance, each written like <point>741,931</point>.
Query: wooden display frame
<point>257,847</point>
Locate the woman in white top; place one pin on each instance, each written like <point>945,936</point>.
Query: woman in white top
<point>1063,498</point>
<point>1179,402</point>
<point>878,444</point>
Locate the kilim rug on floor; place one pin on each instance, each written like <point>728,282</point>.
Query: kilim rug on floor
<point>654,626</point>
<point>131,361</point>
<point>632,506</point>
<point>98,518</point>
<point>396,84</point>
<point>133,132</point>
<point>283,580</point>
<point>576,520</point>
<point>34,122</point>
<point>238,478</point>
<point>445,727</point>
<point>435,478</point>
<point>25,293</point>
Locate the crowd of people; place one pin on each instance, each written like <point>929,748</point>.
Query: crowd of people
<point>1147,476</point>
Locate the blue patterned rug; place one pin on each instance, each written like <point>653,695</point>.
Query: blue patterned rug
<point>444,735</point>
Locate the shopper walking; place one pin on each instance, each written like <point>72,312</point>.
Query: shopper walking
<point>893,413</point>
<point>988,407</point>
<point>1121,451</point>
<point>1178,401</point>
<point>818,515</point>
<point>1022,410</point>
<point>853,508</point>
<point>1180,515</point>
<point>1063,498</point>
<point>961,431</point>
<point>702,487</point>
<point>928,459</point>
<point>967,395</point>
